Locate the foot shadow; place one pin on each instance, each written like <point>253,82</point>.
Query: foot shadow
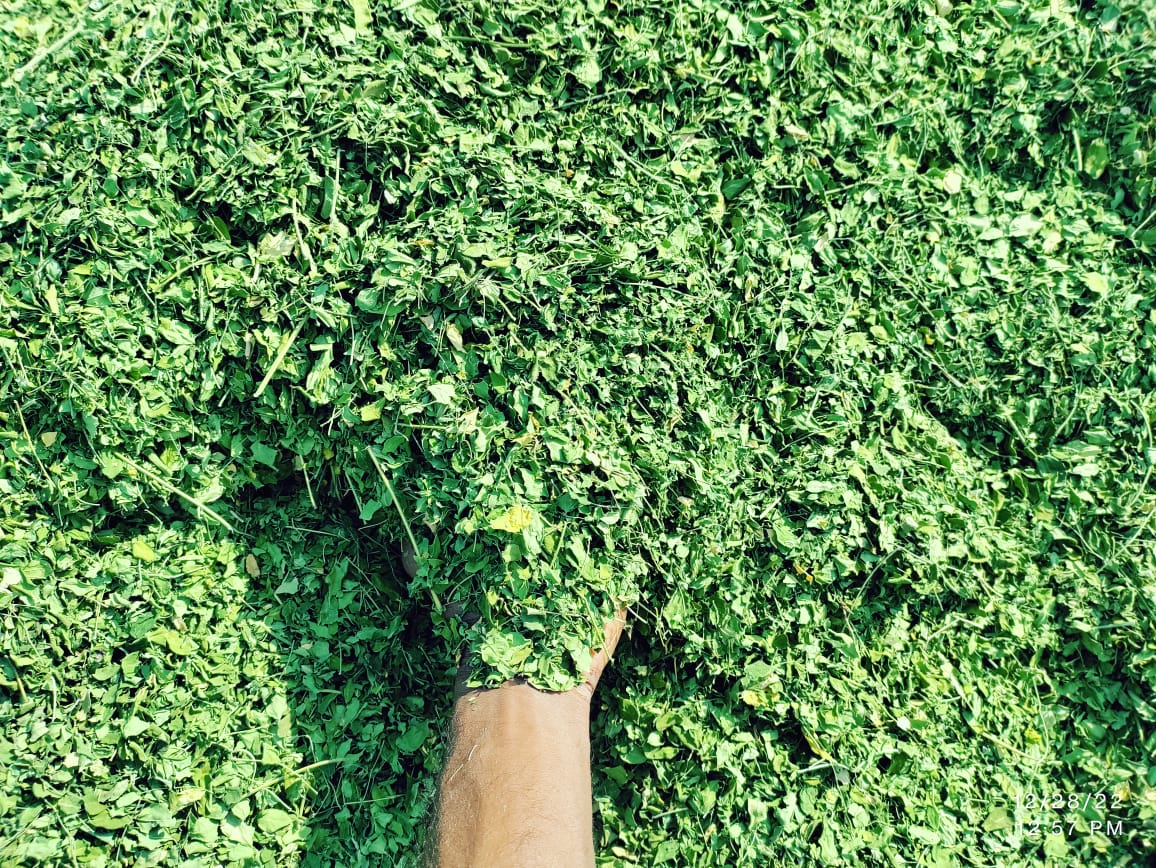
<point>367,686</point>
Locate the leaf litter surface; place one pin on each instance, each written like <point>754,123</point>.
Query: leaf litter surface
<point>821,335</point>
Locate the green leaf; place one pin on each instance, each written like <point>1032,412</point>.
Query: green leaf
<point>1096,158</point>
<point>39,848</point>
<point>141,217</point>
<point>414,737</point>
<point>219,229</point>
<point>923,834</point>
<point>505,649</point>
<point>807,373</point>
<point>204,830</point>
<point>587,71</point>
<point>785,537</point>
<point>479,250</point>
<point>142,551</point>
<point>176,642</point>
<point>104,820</point>
<point>1096,282</point>
<point>362,16</point>
<point>443,393</point>
<point>1024,224</point>
<point>264,454</point>
<point>237,830</point>
<point>176,332</point>
<point>273,820</point>
<point>998,820</point>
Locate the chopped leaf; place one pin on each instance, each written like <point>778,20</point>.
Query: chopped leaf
<point>514,520</point>
<point>414,737</point>
<point>443,393</point>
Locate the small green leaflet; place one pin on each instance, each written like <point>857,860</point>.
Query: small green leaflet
<point>1096,158</point>
<point>274,820</point>
<point>264,454</point>
<point>443,393</point>
<point>501,648</point>
<point>1096,282</point>
<point>177,332</point>
<point>142,551</point>
<point>413,737</point>
<point>588,71</point>
<point>142,217</point>
<point>362,16</point>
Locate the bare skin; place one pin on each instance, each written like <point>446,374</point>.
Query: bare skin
<point>515,789</point>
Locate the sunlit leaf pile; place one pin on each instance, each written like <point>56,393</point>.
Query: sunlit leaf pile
<point>820,334</point>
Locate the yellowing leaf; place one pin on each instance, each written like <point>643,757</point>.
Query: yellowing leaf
<point>468,424</point>
<point>181,799</point>
<point>454,336</point>
<point>1096,158</point>
<point>370,413</point>
<point>527,437</point>
<point>514,520</point>
<point>817,748</point>
<point>252,567</point>
<point>142,551</point>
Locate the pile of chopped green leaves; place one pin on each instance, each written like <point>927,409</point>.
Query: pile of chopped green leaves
<point>823,335</point>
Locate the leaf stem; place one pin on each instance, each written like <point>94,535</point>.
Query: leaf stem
<point>24,425</point>
<point>282,351</point>
<point>51,50</point>
<point>201,506</point>
<point>396,502</point>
